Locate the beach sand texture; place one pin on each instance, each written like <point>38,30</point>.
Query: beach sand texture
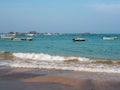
<point>44,79</point>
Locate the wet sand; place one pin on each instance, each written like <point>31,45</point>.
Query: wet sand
<point>44,79</point>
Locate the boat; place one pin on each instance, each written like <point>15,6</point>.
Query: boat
<point>22,39</point>
<point>7,36</point>
<point>30,34</point>
<point>78,39</point>
<point>110,38</point>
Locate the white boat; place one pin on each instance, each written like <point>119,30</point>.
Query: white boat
<point>78,39</point>
<point>30,34</point>
<point>22,39</point>
<point>7,36</point>
<point>110,38</point>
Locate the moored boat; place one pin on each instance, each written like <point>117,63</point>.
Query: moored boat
<point>110,38</point>
<point>7,36</point>
<point>30,34</point>
<point>78,39</point>
<point>22,39</point>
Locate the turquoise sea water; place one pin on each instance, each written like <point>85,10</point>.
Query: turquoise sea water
<point>62,45</point>
<point>61,52</point>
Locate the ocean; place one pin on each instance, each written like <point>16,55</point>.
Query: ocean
<point>61,52</point>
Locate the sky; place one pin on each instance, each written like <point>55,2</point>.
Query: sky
<point>62,16</point>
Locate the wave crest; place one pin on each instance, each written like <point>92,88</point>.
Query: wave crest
<point>41,60</point>
<point>47,57</point>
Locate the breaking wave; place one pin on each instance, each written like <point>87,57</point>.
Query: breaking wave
<point>47,57</point>
<point>41,60</point>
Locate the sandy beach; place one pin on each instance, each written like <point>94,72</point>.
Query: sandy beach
<point>44,79</point>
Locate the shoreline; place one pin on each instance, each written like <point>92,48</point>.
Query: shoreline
<point>49,79</point>
<point>70,65</point>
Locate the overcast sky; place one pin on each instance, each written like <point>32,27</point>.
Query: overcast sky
<point>63,16</point>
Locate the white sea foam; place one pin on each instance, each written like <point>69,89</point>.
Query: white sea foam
<point>64,66</point>
<point>33,60</point>
<point>47,57</point>
<point>41,56</point>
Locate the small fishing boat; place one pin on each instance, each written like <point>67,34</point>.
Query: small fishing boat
<point>7,36</point>
<point>78,39</point>
<point>110,38</point>
<point>22,39</point>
